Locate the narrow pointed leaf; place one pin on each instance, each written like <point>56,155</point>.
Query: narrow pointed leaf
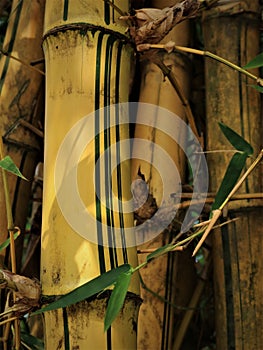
<point>256,62</point>
<point>33,342</point>
<point>87,290</point>
<point>236,140</point>
<point>231,176</point>
<point>7,242</point>
<point>7,164</point>
<point>117,298</point>
<point>257,87</point>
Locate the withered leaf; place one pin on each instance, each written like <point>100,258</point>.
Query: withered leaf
<point>151,25</point>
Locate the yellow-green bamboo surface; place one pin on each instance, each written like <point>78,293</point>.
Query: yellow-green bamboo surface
<point>88,62</point>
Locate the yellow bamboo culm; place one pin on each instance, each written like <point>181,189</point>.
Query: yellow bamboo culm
<point>88,62</point>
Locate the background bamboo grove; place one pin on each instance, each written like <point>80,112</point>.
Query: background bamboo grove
<point>64,60</point>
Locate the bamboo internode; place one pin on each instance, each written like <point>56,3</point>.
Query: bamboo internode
<point>88,63</point>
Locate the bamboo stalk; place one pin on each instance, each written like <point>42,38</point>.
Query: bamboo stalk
<point>236,247</point>
<point>88,63</point>
<point>156,317</point>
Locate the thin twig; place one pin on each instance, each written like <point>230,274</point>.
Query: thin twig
<point>38,61</point>
<point>171,46</point>
<point>26,346</point>
<point>184,325</point>
<point>32,128</point>
<point>201,199</point>
<point>218,212</point>
<point>151,250</point>
<point>219,151</point>
<point>6,334</point>
<point>6,190</point>
<point>11,230</point>
<point>116,8</point>
<point>158,296</point>
<point>211,196</point>
<point>22,62</point>
<point>168,72</point>
<point>7,321</point>
<point>243,178</point>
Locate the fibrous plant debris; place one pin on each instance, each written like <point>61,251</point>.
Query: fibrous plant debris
<point>27,292</point>
<point>151,25</point>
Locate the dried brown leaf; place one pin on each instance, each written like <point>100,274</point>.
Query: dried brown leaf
<point>151,25</point>
<point>23,286</point>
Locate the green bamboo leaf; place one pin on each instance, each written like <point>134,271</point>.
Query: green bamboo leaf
<point>7,164</point>
<point>257,87</point>
<point>231,176</point>
<point>236,140</point>
<point>256,62</point>
<point>158,252</point>
<point>87,290</point>
<point>7,242</point>
<point>117,298</point>
<point>33,342</point>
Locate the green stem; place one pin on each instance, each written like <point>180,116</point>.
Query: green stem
<point>170,248</point>
<point>170,47</point>
<point>242,179</point>
<point>220,59</point>
<point>11,230</point>
<point>164,300</point>
<point>10,223</point>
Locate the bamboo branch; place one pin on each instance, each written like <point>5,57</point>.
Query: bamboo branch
<point>158,296</point>
<point>192,305</point>
<point>22,62</point>
<point>11,230</point>
<point>7,321</point>
<point>32,128</point>
<point>170,46</point>
<point>177,246</point>
<point>243,178</point>
<point>168,72</point>
<point>218,212</point>
<point>8,205</point>
<point>116,8</point>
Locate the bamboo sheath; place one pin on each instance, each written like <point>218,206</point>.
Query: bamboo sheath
<point>88,62</point>
<point>237,249</point>
<point>155,316</point>
<point>20,88</point>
